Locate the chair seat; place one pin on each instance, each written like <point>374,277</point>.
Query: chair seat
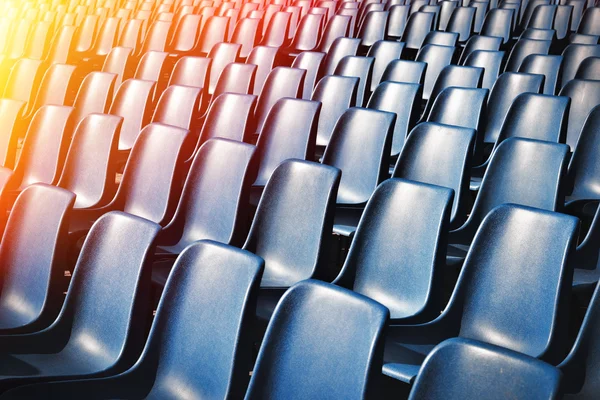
<point>402,361</point>
<point>346,221</point>
<point>475,183</point>
<point>585,277</point>
<point>161,270</point>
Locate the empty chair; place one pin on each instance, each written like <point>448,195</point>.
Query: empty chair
<point>340,48</point>
<point>94,96</point>
<point>264,59</point>
<point>454,76</point>
<point>490,61</point>
<point>522,49</point>
<point>336,94</point>
<point>573,56</point>
<point>310,61</point>
<point>222,54</point>
<point>132,33</point>
<point>10,113</point>
<point>24,77</point>
<point>289,131</point>
<point>298,203</point>
<point>397,21</point>
<point>498,22</point>
<point>373,28</point>
<point>246,35</point>
<point>562,21</point>
<point>150,67</point>
<point>213,32</point>
<point>461,22</point>
<point>585,95</point>
<point>386,98</point>
<point>338,26</point>
<point>405,71</point>
<point>277,30</point>
<point>546,65</point>
<point>191,71</point>
<point>281,82</point>
<point>177,106</point>
<point>307,35</point>
<point>507,87</point>
<point>538,34</point>
<point>443,373</point>
<point>491,267</point>
<point>55,86</point>
<point>339,313</point>
<point>373,267</point>
<point>589,69</point>
<point>589,22</point>
<point>205,272</point>
<point>481,9</point>
<point>117,62</point>
<point>360,67</point>
<point>383,52</point>
<point>156,37</point>
<point>34,245</point>
<point>112,272</point>
<point>479,42</point>
<point>542,17</point>
<point>45,147</point>
<point>131,102</point>
<point>417,27</point>
<point>440,155</point>
<point>235,78</point>
<point>436,57</point>
<point>184,38</point>
<point>441,38</point>
<point>90,163</point>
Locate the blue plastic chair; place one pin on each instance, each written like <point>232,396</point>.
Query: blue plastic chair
<point>101,327</point>
<point>467,369</point>
<point>405,71</point>
<point>520,255</point>
<point>546,65</point>
<point>491,61</point>
<point>585,95</point>
<point>198,335</point>
<point>522,49</point>
<point>362,68</point>
<point>398,257</point>
<point>437,57</point>
<point>333,335</point>
<point>384,52</point>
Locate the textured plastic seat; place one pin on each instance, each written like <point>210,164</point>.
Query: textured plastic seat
<point>546,65</point>
<point>373,28</point>
<point>340,48</point>
<point>542,16</point>
<point>185,36</point>
<point>292,226</point>
<point>461,22</point>
<point>377,267</point>
<point>32,253</point>
<point>90,163</point>
<point>434,9</point>
<point>310,61</point>
<point>498,22</point>
<point>405,71</point>
<point>365,135</point>
<point>264,59</point>
<point>417,27</point>
<point>589,69</point>
<point>45,147</point>
<point>447,7</point>
<point>307,35</point>
<point>589,22</point>
<point>235,78</point>
<point>106,39</point>
<point>481,10</point>
<point>24,77</point>
<point>156,38</point>
<point>440,155</point>
<point>454,76</point>
<point>289,131</point>
<point>191,71</point>
<point>281,82</point>
<point>585,95</point>
<point>277,29</point>
<point>441,38</point>
<point>383,52</point>
<point>177,106</point>
<point>118,62</point>
<point>490,61</point>
<point>360,67</point>
<point>562,20</point>
<point>478,42</point>
<point>85,34</point>
<point>521,171</point>
<point>291,341</point>
<point>213,32</point>
<point>436,57</point>
<point>507,87</point>
<point>385,98</point>
<point>353,14</point>
<point>55,86</point>
<point>94,96</point>
<point>573,56</point>
<point>150,67</point>
<point>246,35</point>
<point>222,54</point>
<point>38,42</point>
<point>511,257</point>
<point>538,34</point>
<point>397,21</point>
<point>205,274</point>
<point>101,307</point>
<point>522,49</point>
<point>444,371</point>
<point>132,33</point>
<point>61,45</point>
<point>131,103</point>
<point>338,26</point>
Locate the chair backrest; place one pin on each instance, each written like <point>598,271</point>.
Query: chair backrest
<point>340,48</point>
<point>454,76</point>
<point>462,22</point>
<point>39,41</point>
<point>522,49</point>
<point>365,135</point>
<point>589,22</point>
<point>373,27</point>
<point>246,35</point>
<point>498,22</point>
<point>277,30</point>
<point>230,116</point>
<point>131,102</point>
<point>589,69</point>
<point>308,33</point>
<point>289,131</point>
<point>548,114</point>
<point>84,36</point>
<point>440,155</point>
<point>538,34</point>
<point>94,96</point>
<point>107,36</point>
<point>585,95</point>
<point>573,55</point>
<point>235,78</point>
<point>385,98</point>
<point>292,227</point>
<point>222,54</point>
<point>490,61</point>
<point>210,294</point>
<point>55,85</point>
<point>61,46</point>
<point>132,34</point>
<point>507,87</point>
<point>156,37</point>
<point>338,26</point>
<point>264,59</point>
<point>307,327</point>
<point>90,164</point>
<point>150,67</point>
<point>417,27</point>
<point>360,67</point>
<point>562,21</point>
<point>397,21</point>
<point>310,61</point>
<point>405,71</point>
<point>542,16</point>
<point>436,57</point>
<point>152,167</point>
<point>45,146</point>
<point>444,373</point>
<point>384,51</point>
<point>546,65</point>
<point>527,278</point>
<point>103,301</point>
<point>416,215</point>
<point>441,38</point>
<point>33,251</point>
<point>281,82</point>
<point>584,168</point>
<point>336,94</point>
<point>177,106</point>
<point>187,31</point>
<point>117,62</point>
<point>478,42</point>
<point>213,32</point>
<point>23,79</point>
<point>10,113</point>
<point>191,71</point>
